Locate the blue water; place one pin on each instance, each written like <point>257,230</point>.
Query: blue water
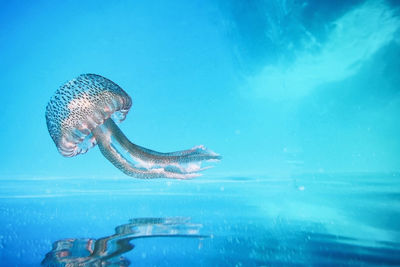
<point>233,221</point>
<point>300,98</point>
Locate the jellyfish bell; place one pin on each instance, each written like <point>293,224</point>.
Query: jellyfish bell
<point>81,105</point>
<point>83,113</point>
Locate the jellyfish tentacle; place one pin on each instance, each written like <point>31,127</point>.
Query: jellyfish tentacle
<point>119,161</point>
<point>148,163</point>
<point>198,153</point>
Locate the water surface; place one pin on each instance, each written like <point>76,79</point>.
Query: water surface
<point>310,219</point>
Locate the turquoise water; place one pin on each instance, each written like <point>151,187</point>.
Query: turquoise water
<point>232,221</point>
<point>300,98</point>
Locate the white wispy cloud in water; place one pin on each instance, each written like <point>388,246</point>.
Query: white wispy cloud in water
<point>355,37</point>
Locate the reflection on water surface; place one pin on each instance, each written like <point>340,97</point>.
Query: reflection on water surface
<point>106,251</point>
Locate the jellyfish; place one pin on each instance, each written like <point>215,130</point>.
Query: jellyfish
<point>83,113</point>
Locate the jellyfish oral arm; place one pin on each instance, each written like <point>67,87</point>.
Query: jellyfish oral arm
<point>141,162</point>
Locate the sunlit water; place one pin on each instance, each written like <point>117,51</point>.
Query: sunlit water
<point>235,221</point>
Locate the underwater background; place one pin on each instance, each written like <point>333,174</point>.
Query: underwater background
<point>301,99</point>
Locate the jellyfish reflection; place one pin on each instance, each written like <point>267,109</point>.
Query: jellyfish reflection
<point>106,251</point>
